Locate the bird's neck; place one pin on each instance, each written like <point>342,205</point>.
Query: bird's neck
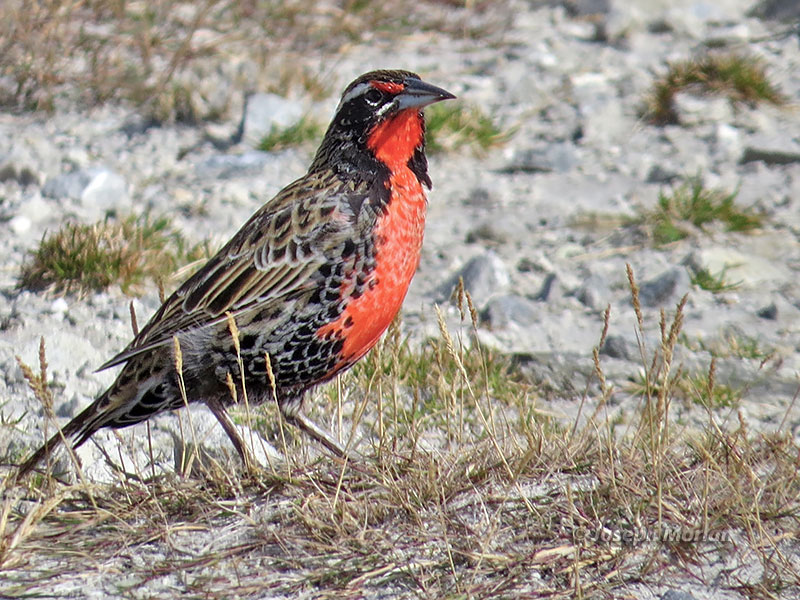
<point>394,141</point>
<point>392,145</point>
<point>399,144</point>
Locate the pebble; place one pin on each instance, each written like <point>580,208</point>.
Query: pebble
<point>780,10</point>
<point>745,269</point>
<point>483,275</point>
<point>554,157</point>
<point>547,287</point>
<point>68,185</point>
<point>98,189</point>
<point>677,595</point>
<point>59,306</point>
<point>487,233</point>
<point>769,312</point>
<point>21,174</point>
<point>769,156</point>
<point>559,205</point>
<point>227,166</point>
<point>594,292</point>
<point>20,224</point>
<point>616,346</point>
<point>510,311</point>
<point>660,174</point>
<point>105,191</point>
<point>669,285</point>
<point>69,409</point>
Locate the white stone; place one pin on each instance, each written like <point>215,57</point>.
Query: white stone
<point>105,191</point>
<point>749,270</point>
<point>59,306</point>
<point>20,224</point>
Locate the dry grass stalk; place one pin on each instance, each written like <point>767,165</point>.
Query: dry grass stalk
<point>520,502</point>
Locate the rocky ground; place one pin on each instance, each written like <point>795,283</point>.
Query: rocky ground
<point>540,228</point>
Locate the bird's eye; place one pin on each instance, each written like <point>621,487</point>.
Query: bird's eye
<point>373,96</point>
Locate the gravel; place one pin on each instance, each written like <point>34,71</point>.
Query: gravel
<point>511,223</point>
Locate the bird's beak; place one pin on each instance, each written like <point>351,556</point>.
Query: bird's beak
<point>417,94</point>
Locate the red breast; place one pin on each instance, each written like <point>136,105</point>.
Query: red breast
<point>398,240</point>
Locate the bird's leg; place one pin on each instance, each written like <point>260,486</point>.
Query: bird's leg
<point>291,407</point>
<point>218,409</point>
<point>305,424</point>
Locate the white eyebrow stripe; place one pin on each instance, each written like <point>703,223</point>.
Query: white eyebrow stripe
<point>358,90</point>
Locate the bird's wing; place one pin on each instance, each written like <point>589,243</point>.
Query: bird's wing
<point>275,255</point>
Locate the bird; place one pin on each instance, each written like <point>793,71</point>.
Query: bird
<point>308,284</point>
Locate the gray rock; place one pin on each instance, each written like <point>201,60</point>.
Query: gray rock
<point>693,110</point>
<point>95,187</point>
<point>741,265</point>
<point>487,233</point>
<point>585,8</point>
<point>227,166</point>
<point>510,310</point>
<point>664,287</point>
<point>769,156</point>
<point>677,595</point>
<point>68,185</point>
<point>484,276</point>
<point>558,158</point>
<point>105,192</point>
<point>20,224</point>
<point>266,112</point>
<point>12,170</point>
<point>547,287</point>
<point>727,141</point>
<point>137,123</point>
<point>479,197</point>
<point>68,409</point>
<point>779,10</point>
<point>526,265</point>
<point>692,17</point>
<point>616,346</point>
<point>625,19</point>
<point>594,292</point>
<point>769,312</point>
<point>562,372</point>
<point>661,174</point>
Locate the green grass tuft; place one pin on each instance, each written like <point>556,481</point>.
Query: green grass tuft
<point>691,206</point>
<point>81,258</point>
<point>742,79</point>
<point>453,126</point>
<point>713,282</point>
<point>436,385</point>
<point>305,130</point>
<point>731,344</point>
<point>714,396</point>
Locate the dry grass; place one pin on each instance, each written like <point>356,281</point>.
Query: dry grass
<point>470,489</point>
<point>88,258</point>
<point>165,56</point>
<point>742,79</point>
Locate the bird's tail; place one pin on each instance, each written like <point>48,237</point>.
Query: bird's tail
<point>75,433</point>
